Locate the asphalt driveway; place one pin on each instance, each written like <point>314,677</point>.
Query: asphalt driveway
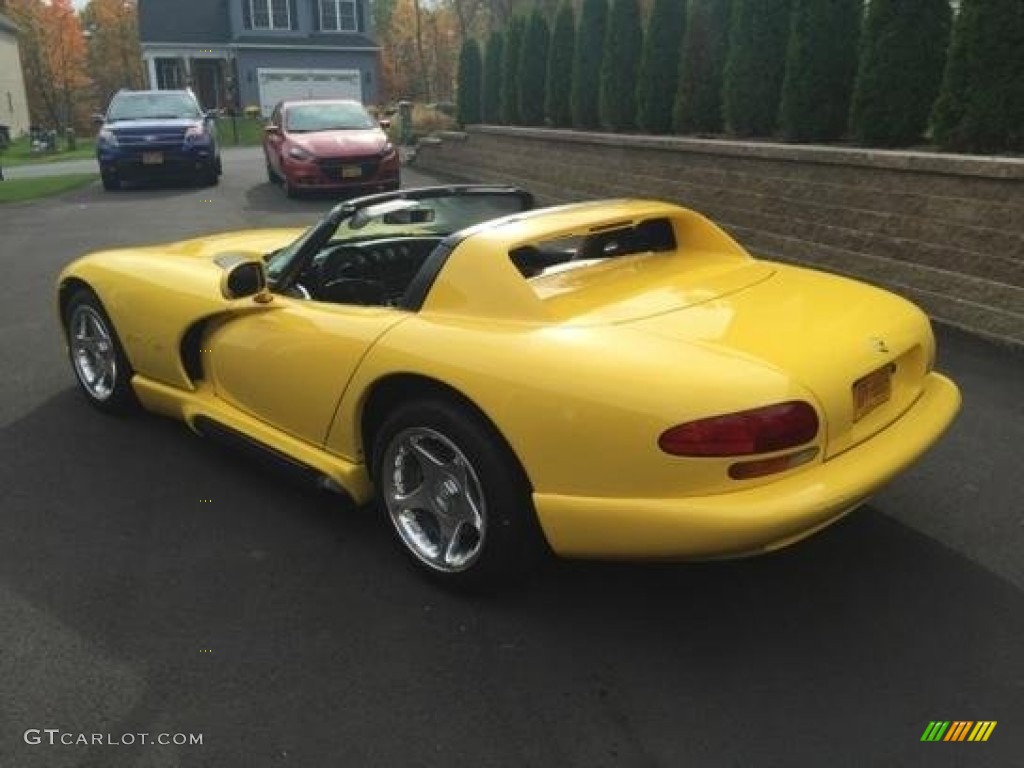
<point>153,583</point>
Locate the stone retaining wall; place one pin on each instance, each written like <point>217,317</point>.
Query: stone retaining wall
<point>945,230</point>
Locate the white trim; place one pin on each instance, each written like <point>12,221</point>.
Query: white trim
<point>270,16</point>
<point>337,14</point>
<point>276,47</point>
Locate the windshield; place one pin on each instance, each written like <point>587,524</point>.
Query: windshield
<point>327,116</point>
<point>148,106</point>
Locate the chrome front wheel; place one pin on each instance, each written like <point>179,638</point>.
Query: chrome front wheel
<point>92,352</point>
<point>99,363</point>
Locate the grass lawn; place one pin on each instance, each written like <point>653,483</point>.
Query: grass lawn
<point>20,153</point>
<point>250,132</point>
<point>30,189</point>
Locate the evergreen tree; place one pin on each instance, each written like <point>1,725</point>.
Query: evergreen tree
<point>620,64</point>
<point>586,64</point>
<point>755,65</point>
<point>902,56</point>
<point>981,104</point>
<point>470,76</point>
<point>493,58</point>
<point>510,71</point>
<point>559,74</point>
<point>659,67</point>
<point>821,63</point>
<point>533,66</point>
<point>698,106</point>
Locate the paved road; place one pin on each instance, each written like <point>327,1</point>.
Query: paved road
<point>287,631</point>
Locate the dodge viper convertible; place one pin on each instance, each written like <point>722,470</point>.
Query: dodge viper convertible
<point>614,379</point>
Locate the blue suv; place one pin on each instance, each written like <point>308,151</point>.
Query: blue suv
<point>155,135</point>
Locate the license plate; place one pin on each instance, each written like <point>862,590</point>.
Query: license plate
<point>351,171</point>
<point>871,391</point>
<point>152,158</point>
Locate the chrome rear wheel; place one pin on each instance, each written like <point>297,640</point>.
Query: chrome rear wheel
<point>434,498</point>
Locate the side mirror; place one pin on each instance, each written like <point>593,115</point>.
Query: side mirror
<point>211,114</point>
<point>272,130</point>
<point>244,276</point>
<point>98,119</point>
<point>385,123</point>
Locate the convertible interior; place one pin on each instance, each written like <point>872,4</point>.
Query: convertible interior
<point>378,272</point>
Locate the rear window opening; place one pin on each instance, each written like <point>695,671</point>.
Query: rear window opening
<point>566,253</point>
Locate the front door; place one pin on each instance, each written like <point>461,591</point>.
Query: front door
<point>289,365</point>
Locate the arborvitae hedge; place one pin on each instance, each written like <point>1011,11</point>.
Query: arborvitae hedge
<point>621,64</point>
<point>659,67</point>
<point>698,106</point>
<point>586,64</point>
<point>533,69</point>
<point>903,52</point>
<point>470,77</point>
<point>510,71</point>
<point>493,59</point>
<point>559,76</point>
<point>755,65</point>
<point>981,104</point>
<point>821,63</point>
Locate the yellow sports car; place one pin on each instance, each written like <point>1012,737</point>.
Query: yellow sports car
<point>614,379</point>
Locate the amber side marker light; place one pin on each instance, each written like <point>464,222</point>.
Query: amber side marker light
<point>768,429</point>
<point>745,470</point>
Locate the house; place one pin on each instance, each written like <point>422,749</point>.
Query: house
<point>242,53</point>
<point>13,102</point>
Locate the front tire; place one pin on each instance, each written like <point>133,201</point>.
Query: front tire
<point>96,355</point>
<point>110,182</point>
<point>457,499</point>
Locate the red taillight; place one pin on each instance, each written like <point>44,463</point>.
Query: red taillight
<point>759,430</point>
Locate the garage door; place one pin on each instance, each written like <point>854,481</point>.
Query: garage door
<point>283,84</point>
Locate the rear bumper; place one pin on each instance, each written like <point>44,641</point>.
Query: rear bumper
<point>753,520</point>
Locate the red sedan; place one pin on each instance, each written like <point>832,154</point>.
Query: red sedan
<point>328,145</point>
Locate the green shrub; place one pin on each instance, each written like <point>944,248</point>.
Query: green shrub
<point>559,69</point>
<point>619,67</point>
<point>698,106</point>
<point>981,104</point>
<point>470,77</point>
<point>586,64</point>
<point>901,61</point>
<point>659,67</point>
<point>821,63</point>
<point>510,71</point>
<point>533,69</point>
<point>755,65</point>
<point>493,58</point>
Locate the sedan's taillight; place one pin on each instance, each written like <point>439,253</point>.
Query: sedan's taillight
<point>759,430</point>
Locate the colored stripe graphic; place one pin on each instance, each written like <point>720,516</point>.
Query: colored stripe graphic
<point>958,730</point>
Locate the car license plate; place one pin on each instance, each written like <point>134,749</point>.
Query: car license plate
<point>871,391</point>
<point>152,158</point>
<point>351,171</point>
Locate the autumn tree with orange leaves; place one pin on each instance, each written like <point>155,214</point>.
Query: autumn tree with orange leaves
<point>53,58</point>
<point>114,53</point>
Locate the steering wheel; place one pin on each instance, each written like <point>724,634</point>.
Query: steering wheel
<point>340,262</point>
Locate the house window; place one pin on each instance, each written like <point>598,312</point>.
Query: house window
<point>269,14</point>
<point>338,15</point>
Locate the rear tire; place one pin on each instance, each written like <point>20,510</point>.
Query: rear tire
<point>97,358</point>
<point>110,183</point>
<point>457,499</point>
